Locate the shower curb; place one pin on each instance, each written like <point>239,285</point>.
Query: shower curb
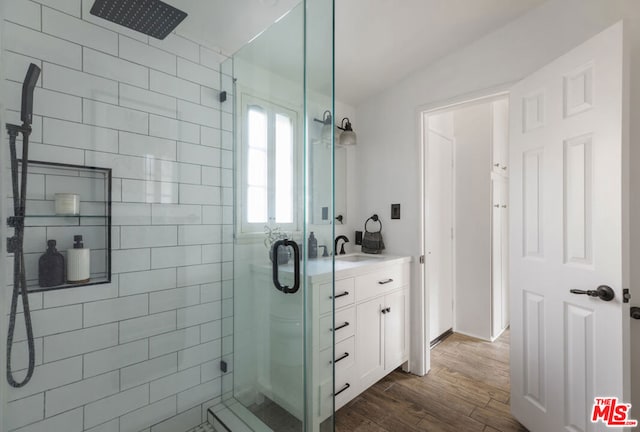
<point>217,420</point>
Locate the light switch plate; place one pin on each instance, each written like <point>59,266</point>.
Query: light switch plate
<point>395,211</point>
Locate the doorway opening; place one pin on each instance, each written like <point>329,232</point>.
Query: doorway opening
<point>465,148</point>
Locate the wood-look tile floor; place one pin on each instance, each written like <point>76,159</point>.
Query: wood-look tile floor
<point>467,389</point>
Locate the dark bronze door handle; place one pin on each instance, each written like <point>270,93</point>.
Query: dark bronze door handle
<point>603,292</point>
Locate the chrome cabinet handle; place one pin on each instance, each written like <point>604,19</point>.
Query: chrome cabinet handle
<point>385,281</point>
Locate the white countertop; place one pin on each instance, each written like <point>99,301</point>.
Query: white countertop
<point>320,269</point>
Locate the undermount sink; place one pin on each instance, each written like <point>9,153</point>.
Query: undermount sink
<point>358,258</point>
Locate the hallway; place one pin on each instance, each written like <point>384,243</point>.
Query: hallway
<point>467,389</point>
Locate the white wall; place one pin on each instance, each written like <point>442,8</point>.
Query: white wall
<point>473,134</point>
<point>389,124</point>
<point>142,351</point>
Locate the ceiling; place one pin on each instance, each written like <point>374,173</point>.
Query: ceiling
<point>228,24</point>
<point>378,42</point>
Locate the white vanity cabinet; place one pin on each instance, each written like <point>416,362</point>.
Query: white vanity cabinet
<point>371,328</point>
<point>382,322</point>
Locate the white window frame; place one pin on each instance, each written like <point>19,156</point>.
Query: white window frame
<point>249,230</point>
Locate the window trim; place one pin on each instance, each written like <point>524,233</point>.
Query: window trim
<point>246,230</point>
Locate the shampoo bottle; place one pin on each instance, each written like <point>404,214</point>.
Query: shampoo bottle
<point>78,262</point>
<point>313,246</point>
<point>51,267</point>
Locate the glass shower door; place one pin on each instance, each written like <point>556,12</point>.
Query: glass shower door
<point>279,87</point>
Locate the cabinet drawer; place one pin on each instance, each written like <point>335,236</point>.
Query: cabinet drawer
<point>345,387</point>
<point>345,326</point>
<point>344,358</point>
<point>378,282</point>
<point>344,295</point>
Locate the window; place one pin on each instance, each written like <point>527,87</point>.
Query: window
<point>268,167</point>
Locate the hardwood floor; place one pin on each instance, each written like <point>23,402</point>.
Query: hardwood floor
<point>467,389</point>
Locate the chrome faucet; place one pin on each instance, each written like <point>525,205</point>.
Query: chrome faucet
<point>335,246</point>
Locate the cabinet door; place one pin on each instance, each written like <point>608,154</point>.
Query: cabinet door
<point>396,329</point>
<point>504,248</point>
<point>369,343</point>
<point>496,255</point>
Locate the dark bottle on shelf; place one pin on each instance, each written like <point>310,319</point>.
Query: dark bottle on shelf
<point>51,268</point>
<point>313,246</point>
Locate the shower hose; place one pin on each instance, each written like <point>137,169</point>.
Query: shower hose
<point>17,246</point>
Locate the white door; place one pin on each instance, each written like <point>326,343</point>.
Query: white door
<point>439,221</point>
<point>569,196</point>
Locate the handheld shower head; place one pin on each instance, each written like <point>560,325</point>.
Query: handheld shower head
<point>27,93</point>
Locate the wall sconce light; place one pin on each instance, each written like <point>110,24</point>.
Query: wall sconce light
<point>348,136</point>
<point>327,122</point>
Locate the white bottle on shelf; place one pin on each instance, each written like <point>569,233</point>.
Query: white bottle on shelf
<point>78,262</point>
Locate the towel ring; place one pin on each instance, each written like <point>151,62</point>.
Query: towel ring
<point>374,218</point>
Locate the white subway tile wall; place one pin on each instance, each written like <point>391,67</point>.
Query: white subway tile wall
<point>143,352</point>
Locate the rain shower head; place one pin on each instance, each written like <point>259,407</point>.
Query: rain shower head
<point>28,86</point>
<point>151,17</point>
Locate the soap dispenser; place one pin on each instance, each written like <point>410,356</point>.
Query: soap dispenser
<point>313,246</point>
<point>51,267</point>
<point>78,262</point>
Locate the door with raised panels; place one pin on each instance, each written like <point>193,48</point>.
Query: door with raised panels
<point>569,203</point>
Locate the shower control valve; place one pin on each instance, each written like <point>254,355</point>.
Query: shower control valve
<point>12,244</point>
